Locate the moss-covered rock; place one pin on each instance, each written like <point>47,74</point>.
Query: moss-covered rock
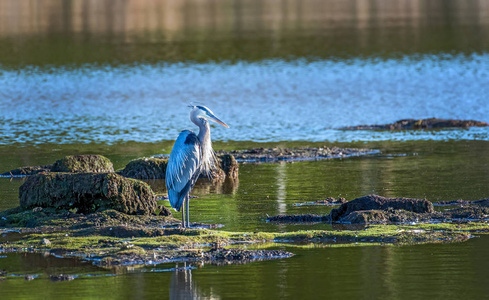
<point>155,168</point>
<point>146,168</point>
<point>83,164</point>
<point>375,202</point>
<point>87,193</point>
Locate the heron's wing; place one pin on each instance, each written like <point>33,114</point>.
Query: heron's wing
<point>183,167</point>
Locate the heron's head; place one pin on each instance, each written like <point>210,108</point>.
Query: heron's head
<point>199,111</point>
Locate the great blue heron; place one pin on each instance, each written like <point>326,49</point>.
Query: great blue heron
<point>191,155</point>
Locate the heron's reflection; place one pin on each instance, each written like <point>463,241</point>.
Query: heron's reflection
<point>182,285</point>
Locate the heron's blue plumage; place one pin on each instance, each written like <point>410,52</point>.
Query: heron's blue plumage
<point>191,155</point>
<point>183,167</point>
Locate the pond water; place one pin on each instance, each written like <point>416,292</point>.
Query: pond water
<point>115,77</point>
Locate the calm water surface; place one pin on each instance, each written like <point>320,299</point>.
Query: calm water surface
<point>114,78</point>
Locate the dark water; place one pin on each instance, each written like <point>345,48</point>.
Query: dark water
<point>114,78</point>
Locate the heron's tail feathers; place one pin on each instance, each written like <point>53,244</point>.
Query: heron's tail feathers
<point>176,199</point>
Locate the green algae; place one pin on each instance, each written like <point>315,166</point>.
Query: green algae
<point>110,237</point>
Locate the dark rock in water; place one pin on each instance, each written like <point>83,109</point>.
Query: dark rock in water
<point>87,193</point>
<point>27,171</point>
<point>61,277</point>
<point>83,164</point>
<point>299,218</point>
<point>155,168</point>
<point>374,202</point>
<point>483,202</point>
<point>467,213</point>
<point>291,154</point>
<point>387,216</point>
<point>452,203</point>
<point>366,217</point>
<point>242,255</point>
<point>164,211</point>
<point>146,168</point>
<point>431,123</point>
<point>330,201</point>
<point>229,165</point>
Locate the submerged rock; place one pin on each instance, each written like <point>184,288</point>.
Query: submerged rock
<point>431,123</point>
<point>308,218</point>
<point>87,193</point>
<point>230,256</point>
<point>27,171</point>
<point>291,154</point>
<point>375,202</point>
<point>330,201</point>
<point>61,277</point>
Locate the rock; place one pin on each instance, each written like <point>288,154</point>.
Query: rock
<point>73,164</point>
<point>87,193</point>
<point>61,277</point>
<point>164,211</point>
<point>375,202</point>
<point>229,165</point>
<point>83,164</point>
<point>431,123</point>
<point>29,277</point>
<point>146,168</point>
<point>330,201</point>
<point>483,202</point>
<point>452,203</point>
<point>294,154</point>
<point>241,255</point>
<point>27,171</point>
<point>155,168</point>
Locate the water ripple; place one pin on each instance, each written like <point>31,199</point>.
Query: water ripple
<point>268,101</point>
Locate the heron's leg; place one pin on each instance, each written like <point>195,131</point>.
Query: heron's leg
<point>183,214</point>
<point>188,214</point>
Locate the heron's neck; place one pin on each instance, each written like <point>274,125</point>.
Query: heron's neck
<point>208,156</point>
<point>205,133</point>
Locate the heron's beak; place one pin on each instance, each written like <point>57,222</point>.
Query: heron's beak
<point>216,119</point>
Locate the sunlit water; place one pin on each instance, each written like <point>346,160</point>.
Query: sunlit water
<point>266,101</point>
<point>115,77</point>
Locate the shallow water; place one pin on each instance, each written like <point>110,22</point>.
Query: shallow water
<point>114,78</point>
<point>317,271</point>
